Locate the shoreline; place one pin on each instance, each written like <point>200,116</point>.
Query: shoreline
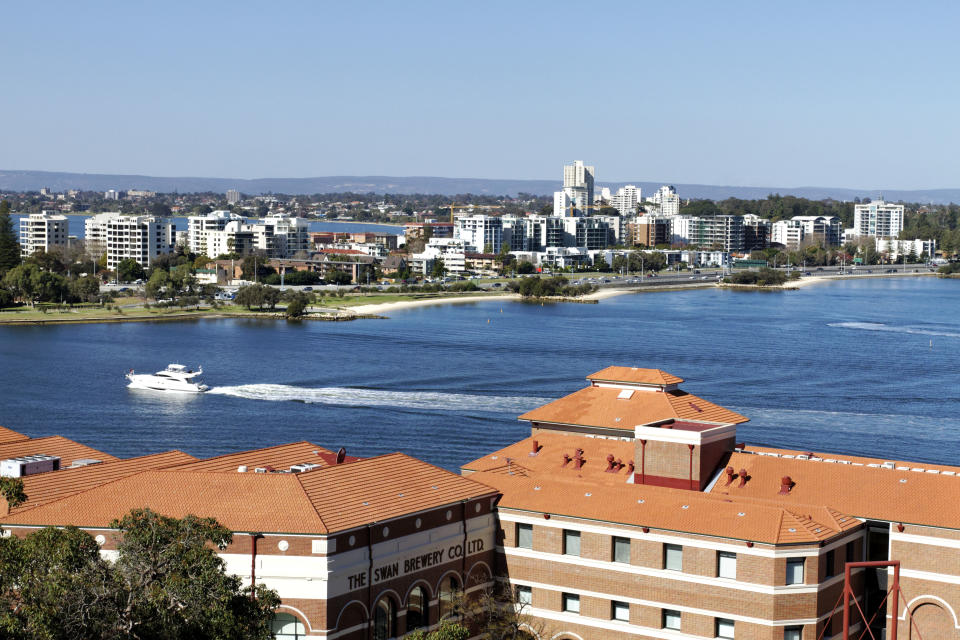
<point>369,311</point>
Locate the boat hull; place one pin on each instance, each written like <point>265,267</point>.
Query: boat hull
<point>152,383</point>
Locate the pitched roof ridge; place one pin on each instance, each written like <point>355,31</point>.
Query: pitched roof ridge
<point>309,500</point>
<point>24,508</point>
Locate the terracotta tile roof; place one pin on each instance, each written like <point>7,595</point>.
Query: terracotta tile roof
<point>278,457</point>
<point>562,491</point>
<point>908,496</point>
<point>47,487</point>
<point>635,375</point>
<point>601,407</point>
<point>384,487</point>
<point>265,502</point>
<point>68,450</point>
<point>321,501</point>
<point>9,435</point>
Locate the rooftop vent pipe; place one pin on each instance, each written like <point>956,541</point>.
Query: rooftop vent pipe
<point>786,483</point>
<point>630,467</point>
<point>566,459</point>
<point>730,476</point>
<point>611,466</point>
<point>743,477</point>
<point>534,448</point>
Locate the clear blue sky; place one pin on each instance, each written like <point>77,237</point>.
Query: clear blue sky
<point>834,93</point>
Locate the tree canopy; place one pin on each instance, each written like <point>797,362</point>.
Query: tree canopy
<point>9,247</point>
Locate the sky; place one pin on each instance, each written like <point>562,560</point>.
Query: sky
<point>833,94</point>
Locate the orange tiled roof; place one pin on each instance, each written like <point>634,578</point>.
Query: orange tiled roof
<point>68,450</point>
<point>47,487</point>
<point>321,501</point>
<point>279,457</point>
<point>9,435</point>
<point>600,407</point>
<point>563,491</point>
<point>635,375</point>
<point>865,492</point>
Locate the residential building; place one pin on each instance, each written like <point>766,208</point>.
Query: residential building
<point>877,219</point>
<point>111,194</point>
<point>626,199</point>
<point>897,249</point>
<point>453,252</point>
<point>233,196</point>
<point>419,230</point>
<point>480,233</point>
<point>199,229</point>
<point>143,238</point>
<point>800,230</point>
<point>578,179</point>
<point>667,200</point>
<point>649,231</point>
<point>136,194</point>
<point>42,231</point>
<point>756,232</point>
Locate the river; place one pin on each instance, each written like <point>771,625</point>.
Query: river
<point>866,367</point>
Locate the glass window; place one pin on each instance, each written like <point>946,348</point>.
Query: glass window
<point>571,603</point>
<point>286,627</point>
<point>448,592</point>
<point>794,570</point>
<point>829,560</point>
<point>620,611</point>
<point>673,557</point>
<point>724,628</point>
<point>671,619</point>
<point>851,552</point>
<point>792,633</point>
<point>384,619</point>
<point>524,595</point>
<point>417,609</point>
<point>621,550</point>
<point>727,565</point>
<point>525,536</point>
<point>571,542</point>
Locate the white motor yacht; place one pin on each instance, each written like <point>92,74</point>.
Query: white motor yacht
<point>176,377</point>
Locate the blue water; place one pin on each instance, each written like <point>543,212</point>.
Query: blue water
<point>844,367</point>
<point>75,226</point>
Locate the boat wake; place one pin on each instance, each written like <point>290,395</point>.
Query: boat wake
<point>879,326</point>
<point>380,398</point>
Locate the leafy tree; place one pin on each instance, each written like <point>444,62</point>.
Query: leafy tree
<point>160,210</point>
<point>525,267</point>
<point>11,489</point>
<point>157,284</point>
<point>9,247</point>
<point>449,630</point>
<point>439,269</point>
<point>85,289</point>
<point>336,276</point>
<point>297,305</point>
<point>182,278</point>
<point>129,270</point>
<point>256,267</point>
<point>30,284</point>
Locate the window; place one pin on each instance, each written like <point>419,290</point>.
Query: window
<point>571,603</point>
<point>417,609</point>
<point>448,590</point>
<point>524,595</point>
<point>620,611</point>
<point>525,536</point>
<point>724,628</point>
<point>727,565</point>
<point>792,633</point>
<point>621,550</point>
<point>286,627</point>
<point>571,542</point>
<point>673,557</point>
<point>829,561</point>
<point>794,570</point>
<point>851,552</point>
<point>671,619</point>
<point>384,619</point>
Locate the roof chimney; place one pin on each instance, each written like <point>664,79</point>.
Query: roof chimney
<point>786,484</point>
<point>743,477</point>
<point>566,459</point>
<point>630,468</point>
<point>535,448</point>
<point>611,467</point>
<point>578,460</point>
<point>341,455</point>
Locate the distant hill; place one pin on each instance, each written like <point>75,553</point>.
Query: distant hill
<point>58,181</point>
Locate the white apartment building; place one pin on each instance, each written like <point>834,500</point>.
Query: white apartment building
<point>897,249</point>
<point>792,233</point>
<point>667,199</point>
<point>275,236</point>
<point>199,229</point>
<point>233,196</point>
<point>479,233</point>
<point>142,238</point>
<point>451,250</point>
<point>112,194</point>
<point>626,199</point>
<point>877,219</point>
<point>576,197</point>
<point>41,231</point>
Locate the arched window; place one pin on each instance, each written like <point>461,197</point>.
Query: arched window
<point>448,592</point>
<point>417,609</point>
<point>286,627</point>
<point>384,619</point>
